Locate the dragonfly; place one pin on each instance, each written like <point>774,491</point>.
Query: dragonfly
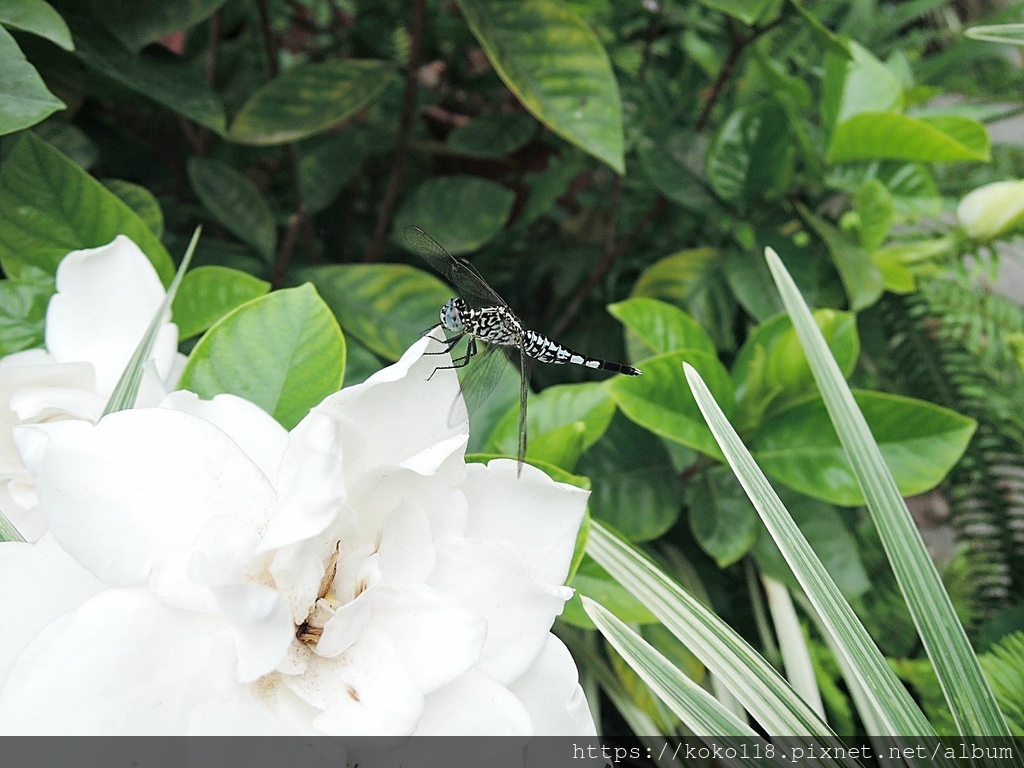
<point>481,315</point>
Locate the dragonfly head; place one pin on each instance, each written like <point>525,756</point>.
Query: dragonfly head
<point>453,315</point>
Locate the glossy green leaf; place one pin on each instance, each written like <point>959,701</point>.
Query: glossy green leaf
<point>460,212</point>
<point>836,45</point>
<point>283,351</point>
<point>208,293</point>
<point>654,327</point>
<point>23,305</point>
<point>555,65</point>
<point>140,200</point>
<point>327,166</point>
<point>875,213</point>
<point>861,278</point>
<point>308,99</point>
<point>68,139</point>
<point>752,153</point>
<point>588,404</point>
<point>49,207</point>
<point>37,17</point>
<point>771,370</point>
<point>156,74</point>
<point>384,306</point>
<point>593,581</point>
<point>890,136</point>
<point>634,486</point>
<point>26,99</point>
<point>548,186</point>
<point>823,527</point>
<point>661,402</point>
<point>560,447</point>
<point>235,202</point>
<point>694,281</point>
<point>860,84</point>
<point>919,441</point>
<point>722,519</point>
<point>138,24</point>
<point>492,135</point>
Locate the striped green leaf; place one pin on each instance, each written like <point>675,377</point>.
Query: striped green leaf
<point>555,65</point>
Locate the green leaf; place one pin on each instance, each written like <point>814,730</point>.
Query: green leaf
<point>673,161</point>
<point>460,212</point>
<point>863,84</point>
<point>284,352</point>
<point>835,44</point>
<point>593,581</point>
<point>889,136</point>
<point>860,276</point>
<point>26,100</point>
<point>588,404</point>
<point>752,153</point>
<point>693,280</point>
<point>209,293</point>
<point>309,99</point>
<point>548,186</point>
<point>655,327</point>
<point>138,24</point>
<point>747,11</point>
<point>771,370</point>
<point>492,135</point>
<point>919,441</point>
<point>722,519</point>
<point>156,74</point>
<point>50,207</point>
<point>555,65</point>
<point>327,166</point>
<point>823,527</point>
<point>235,202</point>
<point>876,214</point>
<point>384,306</point>
<point>68,139</point>
<point>140,200</point>
<point>23,305</point>
<point>635,487</point>
<point>661,402</point>
<point>37,17</point>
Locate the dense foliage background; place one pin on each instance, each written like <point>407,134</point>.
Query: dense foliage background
<point>603,164</point>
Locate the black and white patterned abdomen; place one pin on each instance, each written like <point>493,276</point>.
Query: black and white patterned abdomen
<point>545,350</point>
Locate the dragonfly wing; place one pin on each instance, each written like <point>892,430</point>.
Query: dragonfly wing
<point>459,272</point>
<point>524,388</point>
<point>478,384</point>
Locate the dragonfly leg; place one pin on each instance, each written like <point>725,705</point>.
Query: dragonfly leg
<point>457,362</point>
<point>448,345</point>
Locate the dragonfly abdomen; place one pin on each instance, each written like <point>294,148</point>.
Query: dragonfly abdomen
<point>543,349</point>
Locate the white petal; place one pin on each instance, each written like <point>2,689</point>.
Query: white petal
<point>491,579</point>
<point>436,637</point>
<point>263,627</point>
<point>257,433</point>
<point>130,494</point>
<point>552,694</point>
<point>252,710</point>
<point>311,483</point>
<point>41,582</point>
<point>474,705</point>
<point>346,626</point>
<point>406,547</point>
<point>537,515</point>
<point>106,297</point>
<point>121,664</point>
<point>404,413</point>
<point>364,692</point>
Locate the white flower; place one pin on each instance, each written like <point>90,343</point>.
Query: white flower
<point>206,572</point>
<point>106,297</point>
<point>992,210</point>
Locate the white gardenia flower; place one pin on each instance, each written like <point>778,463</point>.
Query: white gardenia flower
<point>206,572</point>
<point>992,210</point>
<point>106,297</point>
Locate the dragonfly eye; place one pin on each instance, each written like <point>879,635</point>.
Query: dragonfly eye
<point>451,316</point>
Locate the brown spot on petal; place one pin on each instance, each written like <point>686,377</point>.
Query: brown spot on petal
<point>352,692</point>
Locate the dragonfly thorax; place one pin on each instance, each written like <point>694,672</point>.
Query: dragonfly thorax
<point>454,315</point>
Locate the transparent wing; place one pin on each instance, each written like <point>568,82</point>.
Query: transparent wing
<point>478,383</point>
<point>524,386</point>
<point>459,272</point>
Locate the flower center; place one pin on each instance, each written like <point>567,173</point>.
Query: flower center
<point>309,631</point>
